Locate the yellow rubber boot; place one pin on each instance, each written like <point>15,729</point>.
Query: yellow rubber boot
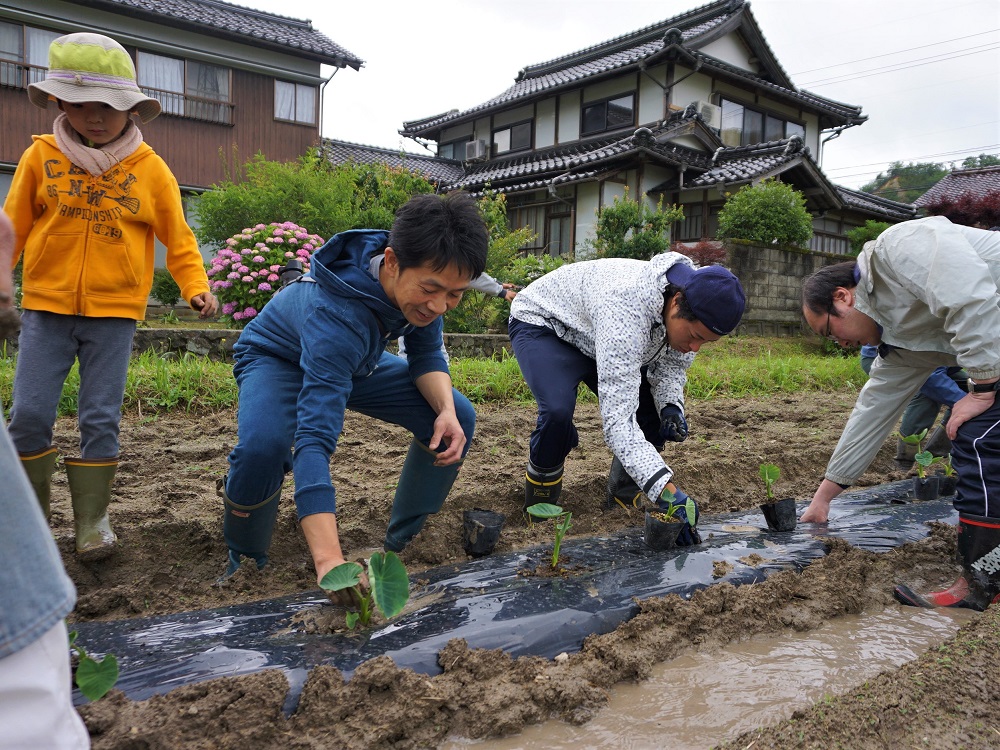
<point>90,489</point>
<point>39,467</point>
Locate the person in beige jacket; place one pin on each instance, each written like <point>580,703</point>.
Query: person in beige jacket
<point>927,293</point>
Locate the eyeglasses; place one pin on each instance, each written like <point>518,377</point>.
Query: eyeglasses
<point>828,333</point>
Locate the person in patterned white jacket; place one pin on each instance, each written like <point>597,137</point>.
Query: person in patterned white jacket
<point>629,330</point>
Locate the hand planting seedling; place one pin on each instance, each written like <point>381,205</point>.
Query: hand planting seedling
<point>94,677</point>
<point>390,587</point>
<point>671,511</point>
<point>769,473</point>
<point>547,510</point>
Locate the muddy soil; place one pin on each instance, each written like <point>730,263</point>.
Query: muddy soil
<point>168,520</point>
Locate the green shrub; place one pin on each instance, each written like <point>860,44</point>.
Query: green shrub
<point>860,235</point>
<point>633,229</point>
<point>770,212</point>
<point>165,289</point>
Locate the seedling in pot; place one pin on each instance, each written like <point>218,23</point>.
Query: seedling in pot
<point>949,470</point>
<point>94,677</point>
<point>390,587</point>
<point>769,473</point>
<point>670,513</point>
<point>548,510</point>
<point>924,461</point>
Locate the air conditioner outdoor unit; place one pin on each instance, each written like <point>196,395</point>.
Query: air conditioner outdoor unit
<point>476,150</point>
<point>710,113</point>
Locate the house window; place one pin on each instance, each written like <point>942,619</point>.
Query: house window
<point>453,149</point>
<point>295,102</point>
<point>551,225</point>
<point>515,138</point>
<point>186,88</point>
<point>608,114</point>
<point>691,227</point>
<point>24,54</point>
<point>743,126</point>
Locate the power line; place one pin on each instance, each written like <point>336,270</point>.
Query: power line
<point>899,52</point>
<point>971,150</point>
<point>896,67</point>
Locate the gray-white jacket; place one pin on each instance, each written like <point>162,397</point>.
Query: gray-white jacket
<point>612,311</point>
<point>934,287</point>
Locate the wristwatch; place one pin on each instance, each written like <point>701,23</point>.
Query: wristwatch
<point>974,387</point>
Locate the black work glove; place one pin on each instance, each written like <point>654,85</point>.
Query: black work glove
<point>673,426</point>
<point>689,533</point>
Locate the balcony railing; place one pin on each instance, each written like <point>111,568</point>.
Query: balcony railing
<point>193,107</point>
<point>18,75</point>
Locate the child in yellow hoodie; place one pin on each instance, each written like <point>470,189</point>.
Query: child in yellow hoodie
<point>87,202</point>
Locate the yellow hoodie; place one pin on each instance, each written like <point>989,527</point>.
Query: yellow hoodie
<point>88,242</point>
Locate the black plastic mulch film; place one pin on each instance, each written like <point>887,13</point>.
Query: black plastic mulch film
<point>490,605</point>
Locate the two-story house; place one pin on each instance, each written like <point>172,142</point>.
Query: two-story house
<point>690,109</point>
<point>232,81</point>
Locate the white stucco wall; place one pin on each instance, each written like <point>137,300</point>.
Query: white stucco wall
<point>569,117</point>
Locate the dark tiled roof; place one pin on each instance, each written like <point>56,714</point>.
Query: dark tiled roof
<point>238,23</point>
<point>951,187</point>
<point>432,167</point>
<point>876,205</point>
<point>746,163</point>
<point>696,27</point>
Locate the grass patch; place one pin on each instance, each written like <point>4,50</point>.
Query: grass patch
<point>732,367</point>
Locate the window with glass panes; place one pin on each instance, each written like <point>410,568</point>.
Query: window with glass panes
<point>24,54</point>
<point>513,138</point>
<point>744,126</point>
<point>186,87</point>
<point>295,102</point>
<point>608,114</point>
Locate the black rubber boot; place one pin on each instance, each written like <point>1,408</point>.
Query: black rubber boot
<point>622,489</point>
<point>247,529</point>
<point>904,454</point>
<point>979,584</point>
<point>542,485</point>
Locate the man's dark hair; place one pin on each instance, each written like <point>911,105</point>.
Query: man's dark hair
<point>440,231</point>
<point>818,289</point>
<point>683,308</point>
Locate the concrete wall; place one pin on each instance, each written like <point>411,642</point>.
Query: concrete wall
<point>772,279</point>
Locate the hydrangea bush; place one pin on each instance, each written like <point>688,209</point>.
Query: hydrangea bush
<point>244,274</point>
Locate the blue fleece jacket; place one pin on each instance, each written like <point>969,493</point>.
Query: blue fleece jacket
<point>334,323</point>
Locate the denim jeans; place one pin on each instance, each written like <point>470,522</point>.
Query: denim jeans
<point>269,393</point>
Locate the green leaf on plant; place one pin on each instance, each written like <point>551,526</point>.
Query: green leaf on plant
<point>545,510</point>
<point>689,511</point>
<point>769,473</point>
<point>351,619</point>
<point>95,678</point>
<point>390,584</point>
<point>914,439</point>
<point>344,576</point>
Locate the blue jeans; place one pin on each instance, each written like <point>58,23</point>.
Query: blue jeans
<point>269,392</point>
<point>553,371</point>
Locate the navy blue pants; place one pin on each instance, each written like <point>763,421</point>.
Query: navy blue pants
<point>975,455</point>
<point>553,371</point>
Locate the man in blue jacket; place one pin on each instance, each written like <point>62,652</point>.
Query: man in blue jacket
<point>318,348</point>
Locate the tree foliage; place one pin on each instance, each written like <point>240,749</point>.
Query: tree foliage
<point>769,212</point>
<point>860,235</point>
<point>969,210</point>
<point>634,229</point>
<point>983,160</point>
<point>310,192</point>
<point>906,182</point>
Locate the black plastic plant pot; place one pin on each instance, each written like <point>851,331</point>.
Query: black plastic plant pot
<point>926,488</point>
<point>481,530</point>
<point>661,534</point>
<point>780,515</point>
<point>947,486</point>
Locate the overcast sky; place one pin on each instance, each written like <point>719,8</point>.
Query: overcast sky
<point>926,72</point>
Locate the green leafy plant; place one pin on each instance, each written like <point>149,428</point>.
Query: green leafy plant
<point>769,473</point>
<point>949,470</point>
<point>916,438</point>
<point>546,511</point>
<point>672,511</point>
<point>924,461</point>
<point>390,587</point>
<point>94,677</point>
<point>633,229</point>
<point>770,212</point>
<point>165,289</point>
<point>860,235</point>
<point>244,274</point>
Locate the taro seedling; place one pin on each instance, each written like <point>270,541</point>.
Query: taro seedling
<point>769,473</point>
<point>916,439</point>
<point>924,461</point>
<point>390,587</point>
<point>674,508</point>
<point>94,677</point>
<point>548,510</point>
<point>949,470</point>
